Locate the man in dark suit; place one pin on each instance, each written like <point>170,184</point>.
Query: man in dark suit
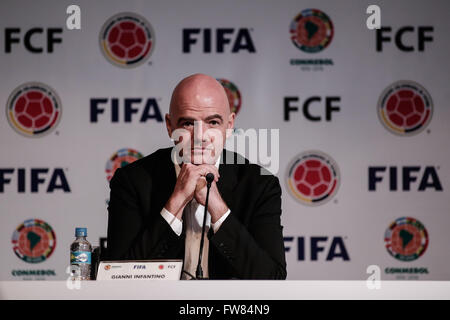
<point>157,203</point>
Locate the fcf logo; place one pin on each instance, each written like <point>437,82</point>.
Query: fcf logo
<point>405,108</point>
<point>127,40</point>
<point>313,178</point>
<point>33,109</point>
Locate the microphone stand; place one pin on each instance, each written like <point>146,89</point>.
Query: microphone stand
<point>199,271</point>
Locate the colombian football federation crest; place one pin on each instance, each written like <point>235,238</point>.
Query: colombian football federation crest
<point>405,108</point>
<point>313,178</point>
<point>127,40</point>
<point>33,109</point>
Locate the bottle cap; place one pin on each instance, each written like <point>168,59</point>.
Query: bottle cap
<point>80,232</point>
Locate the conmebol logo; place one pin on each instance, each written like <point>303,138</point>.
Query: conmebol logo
<point>406,239</point>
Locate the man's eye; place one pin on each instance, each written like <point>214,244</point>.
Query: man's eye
<point>214,123</point>
<point>188,124</point>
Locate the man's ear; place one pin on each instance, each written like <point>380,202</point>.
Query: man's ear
<point>230,125</point>
<point>168,125</point>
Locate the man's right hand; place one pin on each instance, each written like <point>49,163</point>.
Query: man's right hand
<point>185,186</point>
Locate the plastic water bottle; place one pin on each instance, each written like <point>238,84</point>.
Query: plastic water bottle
<point>80,256</point>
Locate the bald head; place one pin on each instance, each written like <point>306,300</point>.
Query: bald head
<point>199,90</point>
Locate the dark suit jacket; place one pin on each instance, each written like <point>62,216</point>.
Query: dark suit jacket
<point>249,243</point>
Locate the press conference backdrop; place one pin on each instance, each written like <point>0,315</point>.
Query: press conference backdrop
<point>363,118</point>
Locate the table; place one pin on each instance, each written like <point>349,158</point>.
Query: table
<point>224,290</point>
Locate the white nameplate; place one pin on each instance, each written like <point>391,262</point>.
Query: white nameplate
<point>140,270</point>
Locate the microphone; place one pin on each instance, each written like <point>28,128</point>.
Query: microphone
<point>199,272</point>
<point>209,179</point>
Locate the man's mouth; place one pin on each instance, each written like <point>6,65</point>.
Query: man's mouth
<point>198,149</point>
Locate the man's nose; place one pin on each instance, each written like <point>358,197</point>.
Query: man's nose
<point>199,134</point>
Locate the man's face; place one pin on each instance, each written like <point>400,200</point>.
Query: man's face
<point>199,119</point>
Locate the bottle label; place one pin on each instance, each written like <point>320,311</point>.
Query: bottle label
<point>80,257</point>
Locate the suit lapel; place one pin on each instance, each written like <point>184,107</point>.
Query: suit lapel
<point>165,178</point>
<point>228,177</point>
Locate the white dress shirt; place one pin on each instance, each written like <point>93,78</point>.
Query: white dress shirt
<point>193,217</point>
